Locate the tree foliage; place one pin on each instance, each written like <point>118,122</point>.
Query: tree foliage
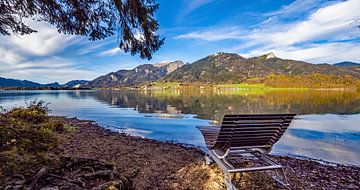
<point>310,81</point>
<point>355,23</point>
<point>132,20</point>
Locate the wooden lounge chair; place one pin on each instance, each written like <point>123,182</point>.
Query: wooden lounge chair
<point>248,137</point>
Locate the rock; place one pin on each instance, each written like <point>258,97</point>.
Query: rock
<point>50,188</point>
<point>270,55</point>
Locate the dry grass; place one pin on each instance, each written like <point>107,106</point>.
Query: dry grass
<point>26,136</point>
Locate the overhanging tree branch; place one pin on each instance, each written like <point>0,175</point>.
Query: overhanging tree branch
<point>132,20</point>
<point>355,23</point>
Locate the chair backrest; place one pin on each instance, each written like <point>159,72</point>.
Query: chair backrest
<point>251,130</point>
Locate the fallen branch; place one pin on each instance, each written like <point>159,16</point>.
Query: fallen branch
<point>89,168</point>
<point>76,182</point>
<point>100,173</point>
<point>36,178</point>
<point>118,184</point>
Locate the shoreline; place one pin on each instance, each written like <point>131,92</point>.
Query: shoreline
<point>186,145</point>
<point>320,161</point>
<point>141,163</point>
<point>190,87</point>
<point>216,181</point>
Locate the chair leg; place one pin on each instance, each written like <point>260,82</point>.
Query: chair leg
<point>208,159</point>
<point>286,183</point>
<point>228,183</point>
<point>280,178</point>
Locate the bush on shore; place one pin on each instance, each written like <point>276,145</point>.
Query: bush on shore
<point>26,136</point>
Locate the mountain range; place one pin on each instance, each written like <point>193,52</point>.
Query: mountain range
<point>233,68</point>
<point>7,82</point>
<point>219,68</point>
<point>140,74</point>
<point>346,64</point>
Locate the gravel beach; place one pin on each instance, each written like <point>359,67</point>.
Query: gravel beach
<point>92,157</point>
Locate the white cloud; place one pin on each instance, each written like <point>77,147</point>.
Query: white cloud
<point>323,36</point>
<point>297,7</point>
<point>110,52</point>
<point>227,33</point>
<point>139,35</point>
<point>192,5</point>
<point>330,23</point>
<point>315,53</point>
<point>9,57</point>
<point>47,70</point>
<point>44,42</point>
<point>197,3</point>
<point>35,56</point>
<point>88,47</point>
<point>114,51</point>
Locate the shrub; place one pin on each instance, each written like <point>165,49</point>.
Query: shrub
<point>28,129</point>
<point>35,112</point>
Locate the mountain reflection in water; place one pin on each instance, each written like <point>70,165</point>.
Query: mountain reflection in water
<point>326,126</point>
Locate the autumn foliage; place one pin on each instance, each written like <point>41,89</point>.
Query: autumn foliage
<point>309,81</point>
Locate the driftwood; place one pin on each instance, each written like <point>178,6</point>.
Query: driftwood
<point>89,168</point>
<point>16,182</point>
<point>79,174</point>
<point>41,173</point>
<point>116,184</point>
<point>102,173</point>
<point>76,182</point>
<point>84,173</point>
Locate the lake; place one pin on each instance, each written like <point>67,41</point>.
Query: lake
<point>327,125</point>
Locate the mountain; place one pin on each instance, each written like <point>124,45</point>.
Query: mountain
<point>6,82</point>
<point>140,74</point>
<point>218,68</point>
<point>231,67</point>
<point>170,66</point>
<point>75,83</point>
<point>347,64</point>
<point>54,84</point>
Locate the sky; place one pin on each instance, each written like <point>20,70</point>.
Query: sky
<point>315,31</point>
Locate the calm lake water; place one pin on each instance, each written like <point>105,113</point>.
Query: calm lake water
<point>327,126</point>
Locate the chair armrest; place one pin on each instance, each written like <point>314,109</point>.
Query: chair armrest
<point>210,134</point>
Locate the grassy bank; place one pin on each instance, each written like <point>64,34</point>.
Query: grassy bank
<point>209,86</point>
<point>320,81</point>
<point>269,83</point>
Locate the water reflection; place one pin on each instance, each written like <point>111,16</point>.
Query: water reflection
<point>326,126</point>
<point>214,106</point>
<point>330,137</point>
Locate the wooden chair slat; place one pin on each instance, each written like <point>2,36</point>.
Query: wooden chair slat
<point>248,127</point>
<point>246,133</point>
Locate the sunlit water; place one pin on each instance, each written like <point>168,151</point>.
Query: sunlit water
<point>327,126</point>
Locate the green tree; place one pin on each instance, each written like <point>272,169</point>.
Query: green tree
<point>131,20</point>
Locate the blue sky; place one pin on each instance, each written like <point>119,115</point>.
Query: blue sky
<point>316,31</point>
